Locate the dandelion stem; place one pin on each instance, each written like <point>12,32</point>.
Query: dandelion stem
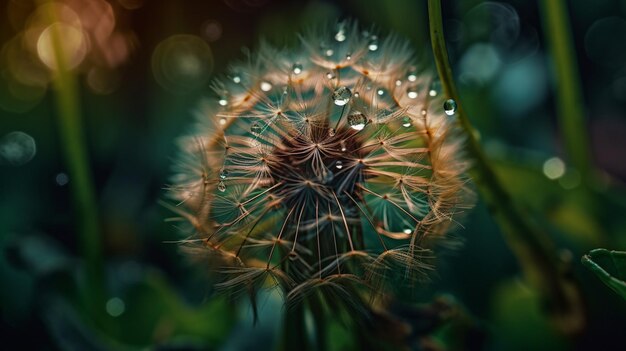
<point>68,110</point>
<point>533,249</point>
<point>568,93</point>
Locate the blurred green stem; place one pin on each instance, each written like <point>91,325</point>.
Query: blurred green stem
<point>568,93</point>
<point>74,148</point>
<point>294,329</point>
<point>533,249</point>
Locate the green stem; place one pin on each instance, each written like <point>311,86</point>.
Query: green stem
<point>568,93</point>
<point>533,249</point>
<point>84,202</point>
<point>294,329</point>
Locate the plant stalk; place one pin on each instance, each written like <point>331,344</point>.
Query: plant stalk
<point>535,252</point>
<point>74,148</point>
<point>569,97</point>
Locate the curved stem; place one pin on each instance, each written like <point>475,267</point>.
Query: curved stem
<point>533,249</point>
<point>73,142</point>
<point>568,93</point>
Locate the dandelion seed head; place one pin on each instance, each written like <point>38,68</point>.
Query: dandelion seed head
<point>322,168</point>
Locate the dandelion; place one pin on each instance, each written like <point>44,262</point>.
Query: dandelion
<point>328,170</point>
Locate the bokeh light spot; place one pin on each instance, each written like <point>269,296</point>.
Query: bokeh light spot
<point>182,63</point>
<point>17,148</point>
<point>115,307</point>
<point>554,168</point>
<point>71,41</point>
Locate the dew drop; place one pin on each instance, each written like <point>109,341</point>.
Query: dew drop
<point>341,96</point>
<point>255,128</point>
<point>237,79</point>
<point>329,52</point>
<point>380,92</point>
<point>356,94</point>
<point>432,92</point>
<point>223,101</point>
<point>222,121</point>
<point>340,36</point>
<point>423,112</point>
<point>296,68</point>
<point>293,255</point>
<point>221,186</point>
<point>406,122</point>
<point>266,86</point>
<point>408,230</point>
<point>348,56</point>
<point>372,45</point>
<point>411,76</point>
<point>411,92</point>
<point>343,146</point>
<point>330,75</point>
<point>223,174</point>
<point>339,164</point>
<point>449,107</point>
<point>398,82</point>
<point>357,120</point>
<point>331,132</point>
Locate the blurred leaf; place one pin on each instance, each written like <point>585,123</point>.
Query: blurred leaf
<point>518,320</point>
<point>567,209</point>
<point>38,254</point>
<point>610,267</point>
<point>154,314</point>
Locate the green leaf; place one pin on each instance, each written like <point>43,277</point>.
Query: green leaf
<point>610,267</point>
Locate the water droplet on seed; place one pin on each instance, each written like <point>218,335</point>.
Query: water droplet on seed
<point>342,96</point>
<point>423,112</point>
<point>372,45</point>
<point>237,79</point>
<point>223,101</point>
<point>411,76</point>
<point>380,92</point>
<point>297,68</point>
<point>432,92</point>
<point>255,128</point>
<point>330,75</point>
<point>339,164</point>
<point>221,186</point>
<point>408,230</point>
<point>222,121</point>
<point>342,144</point>
<point>449,107</point>
<point>223,174</point>
<point>340,36</point>
<point>329,52</point>
<point>398,82</point>
<point>411,92</point>
<point>348,56</point>
<point>357,120</point>
<point>266,86</point>
<point>406,122</point>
